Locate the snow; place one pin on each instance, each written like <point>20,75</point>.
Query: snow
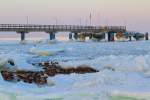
<point>130,77</point>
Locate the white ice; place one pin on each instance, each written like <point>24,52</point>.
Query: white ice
<point>130,77</point>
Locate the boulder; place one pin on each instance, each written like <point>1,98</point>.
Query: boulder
<point>85,69</point>
<point>39,78</point>
<point>8,76</point>
<point>53,68</point>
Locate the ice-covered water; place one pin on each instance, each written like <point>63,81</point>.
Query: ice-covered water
<point>129,79</point>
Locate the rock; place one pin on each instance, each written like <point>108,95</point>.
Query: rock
<point>39,78</point>
<point>32,77</point>
<point>53,68</point>
<point>85,69</point>
<point>25,76</point>
<point>7,64</point>
<point>69,70</point>
<point>51,71</point>
<point>11,62</point>
<point>47,64</point>
<point>8,76</point>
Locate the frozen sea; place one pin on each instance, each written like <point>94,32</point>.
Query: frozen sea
<point>130,79</point>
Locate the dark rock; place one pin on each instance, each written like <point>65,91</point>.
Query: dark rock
<point>11,63</point>
<point>8,76</point>
<point>32,77</point>
<point>53,68</point>
<point>68,70</point>
<point>85,69</point>
<point>40,77</point>
<point>26,76</point>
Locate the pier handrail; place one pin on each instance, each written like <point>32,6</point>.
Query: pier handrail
<point>36,27</point>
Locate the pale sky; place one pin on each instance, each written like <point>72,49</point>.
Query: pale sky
<point>133,13</point>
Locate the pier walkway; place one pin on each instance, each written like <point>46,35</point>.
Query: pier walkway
<point>52,29</point>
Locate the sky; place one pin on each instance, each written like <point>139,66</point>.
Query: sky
<point>135,14</point>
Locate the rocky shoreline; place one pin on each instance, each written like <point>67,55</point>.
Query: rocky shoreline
<point>48,69</point>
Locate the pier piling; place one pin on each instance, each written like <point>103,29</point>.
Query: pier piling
<point>90,36</point>
<point>70,36</point>
<point>76,36</point>
<point>110,36</point>
<point>52,36</point>
<point>130,38</point>
<point>22,36</point>
<point>146,36</point>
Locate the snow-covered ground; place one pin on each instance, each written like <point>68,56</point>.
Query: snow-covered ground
<point>129,79</point>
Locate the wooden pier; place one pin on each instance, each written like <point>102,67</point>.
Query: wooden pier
<point>76,32</point>
<point>52,29</point>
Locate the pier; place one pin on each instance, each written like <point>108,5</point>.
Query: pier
<point>76,31</point>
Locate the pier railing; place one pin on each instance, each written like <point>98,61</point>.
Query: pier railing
<point>47,28</point>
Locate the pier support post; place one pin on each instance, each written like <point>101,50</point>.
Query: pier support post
<point>76,36</point>
<point>70,36</point>
<point>22,36</point>
<point>146,36</point>
<point>130,38</point>
<point>90,36</point>
<point>110,36</point>
<point>52,36</point>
